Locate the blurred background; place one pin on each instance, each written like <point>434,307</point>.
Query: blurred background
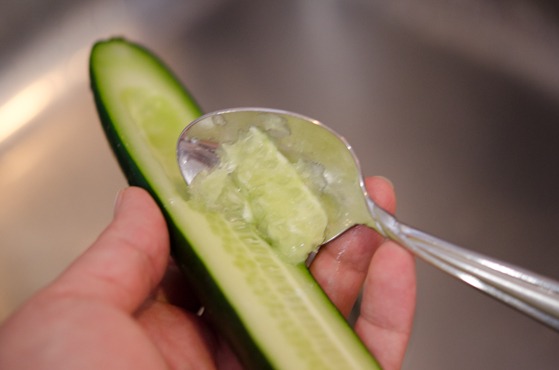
<point>456,101</point>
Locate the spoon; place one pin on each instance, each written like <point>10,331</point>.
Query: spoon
<point>303,138</point>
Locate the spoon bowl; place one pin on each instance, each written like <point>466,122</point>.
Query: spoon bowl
<point>303,139</point>
<point>327,154</point>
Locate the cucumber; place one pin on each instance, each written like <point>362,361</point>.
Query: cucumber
<point>272,312</point>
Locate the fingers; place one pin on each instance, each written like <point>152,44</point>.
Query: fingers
<point>388,304</point>
<point>184,341</point>
<point>176,290</point>
<point>128,259</point>
<point>381,190</point>
<point>341,266</point>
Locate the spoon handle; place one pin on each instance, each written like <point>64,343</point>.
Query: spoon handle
<point>530,293</point>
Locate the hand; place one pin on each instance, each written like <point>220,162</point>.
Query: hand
<point>117,306</point>
<point>362,259</point>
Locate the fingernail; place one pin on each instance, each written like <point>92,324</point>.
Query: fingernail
<point>118,201</point>
<point>387,180</point>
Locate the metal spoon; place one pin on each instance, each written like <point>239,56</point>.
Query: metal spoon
<point>303,138</point>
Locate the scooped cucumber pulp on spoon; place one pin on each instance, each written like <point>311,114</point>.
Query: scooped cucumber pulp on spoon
<point>271,311</point>
<point>255,184</point>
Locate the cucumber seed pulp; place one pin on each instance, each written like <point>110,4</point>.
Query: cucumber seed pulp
<point>255,185</point>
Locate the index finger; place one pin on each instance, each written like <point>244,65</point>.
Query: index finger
<point>341,265</point>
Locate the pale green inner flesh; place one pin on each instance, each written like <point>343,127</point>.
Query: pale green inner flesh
<point>279,304</point>
<point>256,185</point>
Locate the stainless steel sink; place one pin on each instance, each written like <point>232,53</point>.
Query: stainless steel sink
<point>456,102</point>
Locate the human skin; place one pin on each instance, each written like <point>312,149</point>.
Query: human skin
<point>124,305</point>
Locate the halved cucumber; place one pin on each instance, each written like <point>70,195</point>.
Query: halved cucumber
<point>272,312</point>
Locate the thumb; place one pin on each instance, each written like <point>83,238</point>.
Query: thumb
<point>127,260</point>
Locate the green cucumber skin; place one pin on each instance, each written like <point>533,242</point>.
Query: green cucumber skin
<point>221,314</point>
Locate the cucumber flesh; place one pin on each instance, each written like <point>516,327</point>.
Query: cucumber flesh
<point>272,312</point>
